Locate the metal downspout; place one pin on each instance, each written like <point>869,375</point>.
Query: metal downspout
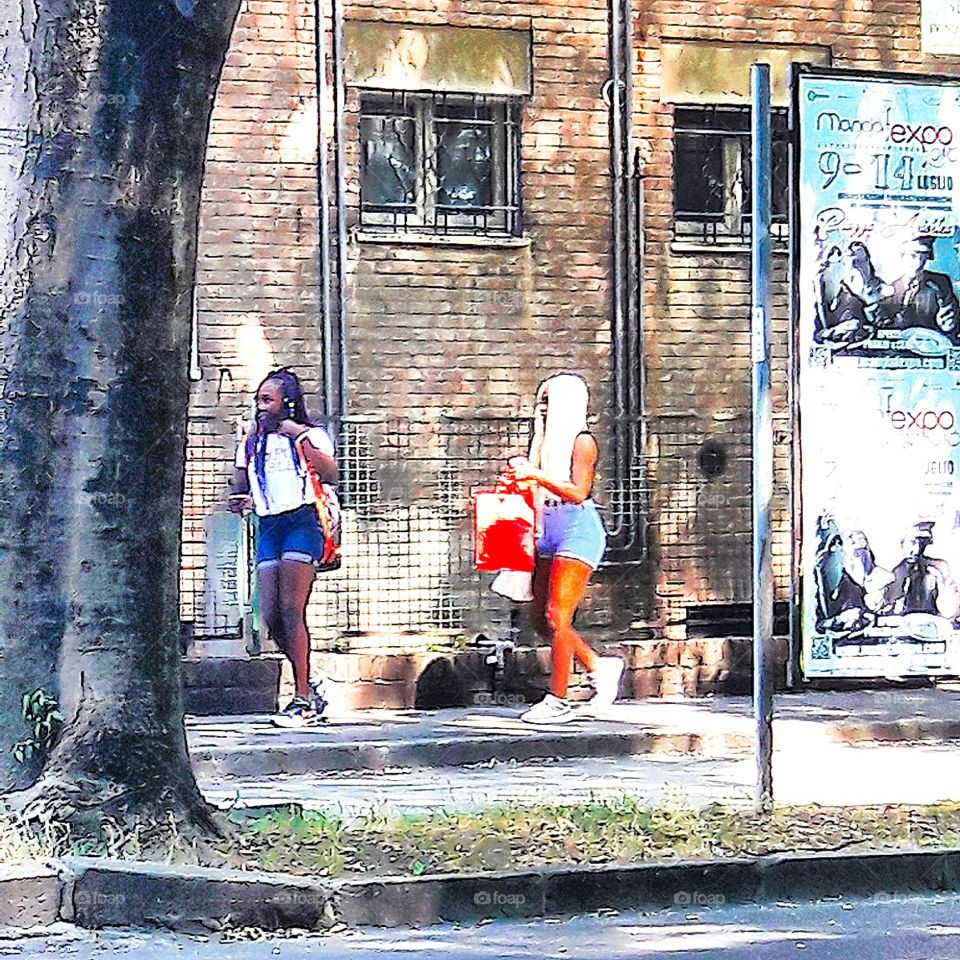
<point>339,173</point>
<point>323,205</point>
<point>621,339</point>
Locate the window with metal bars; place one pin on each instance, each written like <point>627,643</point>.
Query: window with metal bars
<point>711,174</point>
<point>440,163</point>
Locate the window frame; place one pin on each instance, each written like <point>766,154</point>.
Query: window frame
<point>731,223</point>
<point>426,215</point>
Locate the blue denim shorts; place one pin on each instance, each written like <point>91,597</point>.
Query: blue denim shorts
<point>294,535</point>
<point>573,530</point>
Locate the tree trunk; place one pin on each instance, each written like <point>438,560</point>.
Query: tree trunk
<point>109,103</point>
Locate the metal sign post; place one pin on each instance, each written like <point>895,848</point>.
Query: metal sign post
<point>762,434</point>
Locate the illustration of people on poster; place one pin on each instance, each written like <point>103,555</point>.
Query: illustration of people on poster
<point>879,373</point>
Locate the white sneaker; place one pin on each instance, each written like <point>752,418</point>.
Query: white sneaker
<point>606,681</point>
<point>550,709</point>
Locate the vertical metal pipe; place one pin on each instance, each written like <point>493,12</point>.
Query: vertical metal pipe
<point>618,353</point>
<point>640,381</point>
<point>340,174</point>
<point>633,359</point>
<point>631,210</point>
<point>323,206</point>
<point>762,435</point>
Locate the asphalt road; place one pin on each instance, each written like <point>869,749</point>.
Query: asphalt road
<point>882,928</point>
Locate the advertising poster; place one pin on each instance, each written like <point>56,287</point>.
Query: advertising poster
<point>879,374</point>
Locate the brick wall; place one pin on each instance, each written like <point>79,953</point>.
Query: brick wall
<point>257,265</point>
<point>433,328</point>
<point>442,328</point>
<point>464,329</point>
<point>697,302</point>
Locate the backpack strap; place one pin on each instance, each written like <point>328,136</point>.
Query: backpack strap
<point>331,538</point>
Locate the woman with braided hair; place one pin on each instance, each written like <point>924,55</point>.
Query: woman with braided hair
<point>272,479</point>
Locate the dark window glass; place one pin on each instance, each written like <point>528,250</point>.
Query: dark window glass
<point>712,170</point>
<point>464,161</point>
<point>698,174</point>
<point>388,172</point>
<point>440,163</point>
<point>781,178</point>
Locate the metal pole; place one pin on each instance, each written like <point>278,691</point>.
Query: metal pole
<point>614,85</point>
<point>793,511</point>
<point>339,84</point>
<point>762,434</point>
<point>323,203</point>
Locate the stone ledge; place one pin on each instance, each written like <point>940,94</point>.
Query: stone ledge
<point>431,680</point>
<point>454,751</point>
<point>102,893</point>
<point>30,895</point>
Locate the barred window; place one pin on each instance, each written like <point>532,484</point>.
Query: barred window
<point>440,163</point>
<point>711,174</point>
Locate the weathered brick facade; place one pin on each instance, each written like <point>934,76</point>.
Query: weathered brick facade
<point>468,329</point>
<point>697,301</point>
<point>434,328</point>
<point>257,263</point>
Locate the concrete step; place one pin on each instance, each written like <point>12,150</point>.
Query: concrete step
<point>230,685</point>
<point>251,746</point>
<point>434,680</point>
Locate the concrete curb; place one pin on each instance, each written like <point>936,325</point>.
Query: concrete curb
<point>30,895</point>
<point>100,893</point>
<point>896,731</point>
<point>375,755</point>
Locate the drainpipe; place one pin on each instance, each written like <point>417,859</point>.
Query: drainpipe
<point>323,206</point>
<point>339,85</point>
<point>623,338</point>
<point>640,384</point>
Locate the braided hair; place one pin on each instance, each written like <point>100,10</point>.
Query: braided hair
<point>295,408</point>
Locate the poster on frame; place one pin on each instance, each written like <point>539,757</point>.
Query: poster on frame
<point>876,237</point>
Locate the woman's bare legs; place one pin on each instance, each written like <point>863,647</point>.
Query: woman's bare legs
<point>296,582</point>
<point>558,586</point>
<point>268,589</point>
<point>537,608</point>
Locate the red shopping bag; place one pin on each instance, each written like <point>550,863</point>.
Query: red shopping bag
<point>504,521</point>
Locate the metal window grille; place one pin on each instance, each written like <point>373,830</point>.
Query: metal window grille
<point>406,487</point>
<point>711,174</point>
<point>443,164</point>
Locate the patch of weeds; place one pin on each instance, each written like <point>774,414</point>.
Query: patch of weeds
<point>20,841</point>
<point>603,831</point>
<point>622,830</point>
<point>41,711</point>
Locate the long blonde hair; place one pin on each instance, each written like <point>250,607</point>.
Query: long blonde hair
<point>551,449</point>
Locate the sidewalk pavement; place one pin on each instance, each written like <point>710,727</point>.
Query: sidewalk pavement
<point>831,748</point>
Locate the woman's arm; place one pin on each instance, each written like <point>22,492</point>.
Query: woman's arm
<point>240,499</point>
<point>240,482</point>
<point>323,463</point>
<point>581,472</point>
<point>320,460</point>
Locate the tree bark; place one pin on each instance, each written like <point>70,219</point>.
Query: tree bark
<point>109,104</point>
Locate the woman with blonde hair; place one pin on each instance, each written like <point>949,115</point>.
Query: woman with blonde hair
<point>571,540</point>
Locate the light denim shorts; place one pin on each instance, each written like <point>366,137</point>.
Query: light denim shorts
<point>573,530</point>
